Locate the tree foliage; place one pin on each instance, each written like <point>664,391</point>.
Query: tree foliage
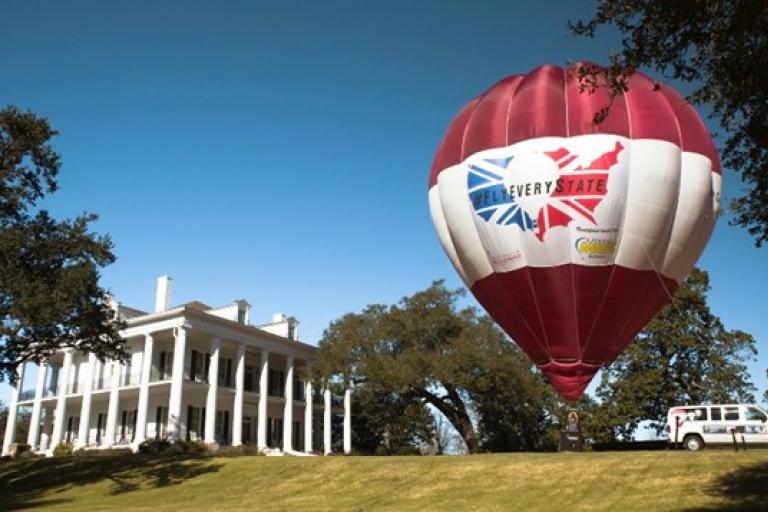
<point>49,292</point>
<point>720,46</point>
<point>516,410</point>
<point>388,424</point>
<point>427,351</point>
<point>684,356</point>
<point>765,395</point>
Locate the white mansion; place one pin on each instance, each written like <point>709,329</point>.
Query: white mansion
<point>194,372</point>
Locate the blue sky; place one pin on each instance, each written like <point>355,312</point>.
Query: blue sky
<point>279,151</point>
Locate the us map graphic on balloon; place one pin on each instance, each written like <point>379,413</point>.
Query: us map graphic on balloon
<point>574,193</point>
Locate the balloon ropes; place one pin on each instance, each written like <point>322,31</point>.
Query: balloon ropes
<point>574,234</point>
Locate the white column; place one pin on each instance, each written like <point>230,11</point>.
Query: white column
<point>114,405</point>
<point>177,383</point>
<point>327,448</point>
<point>347,420</point>
<point>10,427</point>
<point>85,407</point>
<point>34,422</point>
<point>146,373</point>
<point>261,433</point>
<point>237,409</point>
<point>213,390</point>
<point>61,401</point>
<point>288,409</point>
<point>308,417</point>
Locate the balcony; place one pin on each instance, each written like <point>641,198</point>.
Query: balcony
<point>27,395</point>
<point>132,378</point>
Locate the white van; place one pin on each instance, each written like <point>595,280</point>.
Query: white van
<point>699,425</point>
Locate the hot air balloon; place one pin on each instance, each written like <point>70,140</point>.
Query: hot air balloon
<point>574,234</point>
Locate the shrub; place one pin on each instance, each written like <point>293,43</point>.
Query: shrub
<point>158,446</point>
<point>154,446</point>
<point>63,450</point>
<point>189,447</point>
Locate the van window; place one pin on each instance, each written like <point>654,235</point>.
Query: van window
<point>716,414</point>
<point>731,413</point>
<point>755,414</point>
<point>698,413</point>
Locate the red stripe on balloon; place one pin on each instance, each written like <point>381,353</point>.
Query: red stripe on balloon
<point>583,313</point>
<point>538,108</point>
<point>694,136</point>
<point>549,102</point>
<point>449,152</point>
<point>584,105</point>
<point>487,125</point>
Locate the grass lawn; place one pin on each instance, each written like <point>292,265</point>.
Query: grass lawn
<point>618,481</point>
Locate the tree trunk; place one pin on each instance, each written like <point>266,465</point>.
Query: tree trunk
<point>455,412</point>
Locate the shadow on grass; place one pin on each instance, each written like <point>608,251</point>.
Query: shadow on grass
<point>28,483</point>
<point>743,489</point>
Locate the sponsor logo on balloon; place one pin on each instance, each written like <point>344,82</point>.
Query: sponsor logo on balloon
<point>540,191</point>
<point>595,247</point>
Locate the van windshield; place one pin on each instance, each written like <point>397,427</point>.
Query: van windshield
<point>755,414</point>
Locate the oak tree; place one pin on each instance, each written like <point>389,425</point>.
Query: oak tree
<point>425,350</point>
<point>50,295</point>
<point>721,48</point>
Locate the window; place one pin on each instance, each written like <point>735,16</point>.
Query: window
<point>225,372</point>
<point>291,331</point>
<point>73,426</point>
<point>161,422</point>
<point>198,368</point>
<point>731,414</point>
<point>195,423</point>
<point>276,386</point>
<point>250,381</point>
<point>248,424</point>
<point>298,389</point>
<point>166,365</point>
<point>241,316</point>
<point>275,432</point>
<point>298,440</point>
<point>128,426</point>
<point>221,432</point>
<point>755,414</point>
<point>716,414</point>
<point>101,427</point>
<point>699,413</point>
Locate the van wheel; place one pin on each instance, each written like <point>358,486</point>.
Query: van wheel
<point>693,443</point>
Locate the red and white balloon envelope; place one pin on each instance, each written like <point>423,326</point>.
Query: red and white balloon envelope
<point>571,234</point>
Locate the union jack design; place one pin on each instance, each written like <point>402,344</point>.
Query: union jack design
<point>575,193</point>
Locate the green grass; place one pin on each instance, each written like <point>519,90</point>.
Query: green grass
<point>645,481</point>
